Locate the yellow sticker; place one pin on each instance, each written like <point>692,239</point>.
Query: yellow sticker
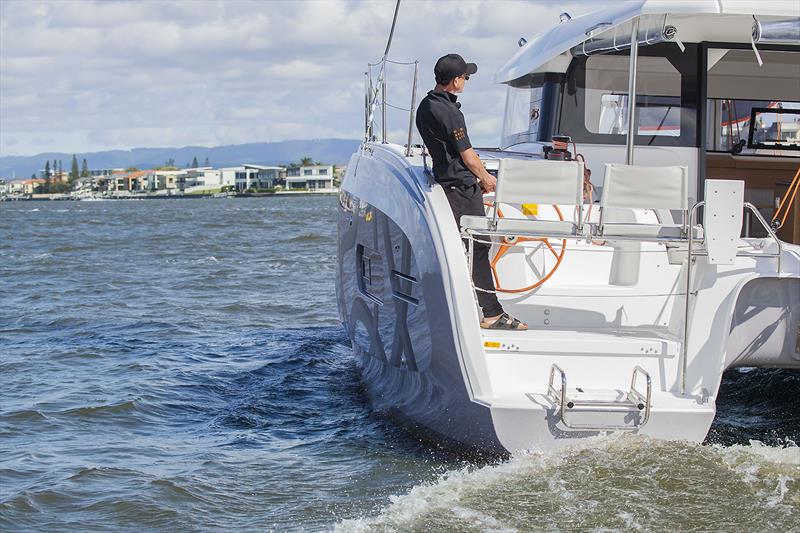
<point>489,344</point>
<point>530,209</point>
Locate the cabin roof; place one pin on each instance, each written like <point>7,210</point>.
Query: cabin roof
<point>549,51</point>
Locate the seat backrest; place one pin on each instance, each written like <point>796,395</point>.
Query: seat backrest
<point>540,182</point>
<point>646,187</point>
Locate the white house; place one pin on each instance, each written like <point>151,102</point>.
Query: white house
<point>252,176</point>
<point>203,177</point>
<point>14,187</point>
<point>312,177</point>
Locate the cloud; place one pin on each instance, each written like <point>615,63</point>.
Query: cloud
<point>86,75</point>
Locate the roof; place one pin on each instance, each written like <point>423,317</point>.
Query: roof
<point>553,45</point>
<point>261,167</point>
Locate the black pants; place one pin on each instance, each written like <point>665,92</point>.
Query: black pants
<point>468,200</point>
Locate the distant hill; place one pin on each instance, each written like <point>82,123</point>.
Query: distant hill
<point>331,151</point>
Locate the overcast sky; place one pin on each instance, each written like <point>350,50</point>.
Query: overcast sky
<point>79,76</point>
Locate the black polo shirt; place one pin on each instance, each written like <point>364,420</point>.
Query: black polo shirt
<point>441,124</point>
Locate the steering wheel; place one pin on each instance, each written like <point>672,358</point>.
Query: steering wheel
<point>508,242</point>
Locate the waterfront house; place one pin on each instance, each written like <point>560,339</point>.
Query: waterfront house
<point>254,176</point>
<point>103,172</point>
<point>11,187</point>
<point>32,186</point>
<point>170,180</point>
<point>310,177</point>
<point>137,181</point>
<point>84,185</point>
<point>29,186</point>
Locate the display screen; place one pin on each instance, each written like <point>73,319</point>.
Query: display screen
<point>774,128</point>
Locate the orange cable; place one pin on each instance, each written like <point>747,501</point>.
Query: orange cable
<point>791,194</point>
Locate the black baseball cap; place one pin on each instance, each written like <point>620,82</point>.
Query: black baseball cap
<point>452,66</point>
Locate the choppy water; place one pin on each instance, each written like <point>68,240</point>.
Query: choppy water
<point>178,365</point>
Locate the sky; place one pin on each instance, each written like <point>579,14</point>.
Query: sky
<point>84,75</point>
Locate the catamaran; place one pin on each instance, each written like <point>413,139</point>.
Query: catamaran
<point>675,260</point>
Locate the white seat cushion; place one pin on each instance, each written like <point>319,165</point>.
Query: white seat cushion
<point>511,226</point>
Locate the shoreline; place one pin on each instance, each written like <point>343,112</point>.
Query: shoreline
<point>62,198</point>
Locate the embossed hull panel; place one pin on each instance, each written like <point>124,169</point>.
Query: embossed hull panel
<point>392,303</point>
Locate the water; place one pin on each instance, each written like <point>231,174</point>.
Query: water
<point>178,365</point>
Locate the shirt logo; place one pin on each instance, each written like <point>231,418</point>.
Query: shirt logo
<point>459,134</point>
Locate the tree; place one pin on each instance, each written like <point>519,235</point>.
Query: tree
<point>194,162</point>
<point>84,169</point>
<point>206,163</point>
<point>46,176</point>
<point>74,173</point>
<point>306,162</point>
<point>33,176</point>
<point>132,169</point>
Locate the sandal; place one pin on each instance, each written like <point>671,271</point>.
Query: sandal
<point>505,322</point>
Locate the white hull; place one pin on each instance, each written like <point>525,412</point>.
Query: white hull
<point>607,310</point>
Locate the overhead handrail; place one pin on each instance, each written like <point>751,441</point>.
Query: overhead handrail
<point>781,214</point>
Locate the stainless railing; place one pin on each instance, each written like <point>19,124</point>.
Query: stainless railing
<point>634,401</point>
<point>691,253</point>
<point>379,88</point>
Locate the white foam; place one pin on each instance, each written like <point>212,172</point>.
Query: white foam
<point>602,484</point>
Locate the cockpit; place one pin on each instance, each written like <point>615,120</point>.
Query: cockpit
<point>728,108</point>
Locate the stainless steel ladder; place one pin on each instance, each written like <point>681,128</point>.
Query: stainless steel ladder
<point>634,401</point>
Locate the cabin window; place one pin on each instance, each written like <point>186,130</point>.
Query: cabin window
<point>516,123</point>
<point>737,84</point>
<point>595,97</point>
<point>532,107</point>
<point>658,98</point>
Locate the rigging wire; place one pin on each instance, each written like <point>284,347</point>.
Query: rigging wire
<point>407,110</point>
<point>374,99</point>
<point>393,62</point>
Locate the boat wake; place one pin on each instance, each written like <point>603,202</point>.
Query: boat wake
<point>608,483</point>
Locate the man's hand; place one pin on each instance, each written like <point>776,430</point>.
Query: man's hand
<point>488,183</point>
<point>475,165</point>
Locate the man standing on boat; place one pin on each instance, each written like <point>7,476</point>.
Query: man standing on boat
<point>460,172</point>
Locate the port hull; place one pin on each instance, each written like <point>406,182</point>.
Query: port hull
<point>393,306</point>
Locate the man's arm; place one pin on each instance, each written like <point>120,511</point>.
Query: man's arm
<point>475,165</point>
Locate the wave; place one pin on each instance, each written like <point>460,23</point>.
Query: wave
<point>608,483</point>
<point>24,415</point>
<point>119,409</point>
<point>309,237</point>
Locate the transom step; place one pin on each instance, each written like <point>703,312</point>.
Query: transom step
<point>565,342</point>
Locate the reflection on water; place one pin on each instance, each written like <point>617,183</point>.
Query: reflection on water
<point>179,365</point>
